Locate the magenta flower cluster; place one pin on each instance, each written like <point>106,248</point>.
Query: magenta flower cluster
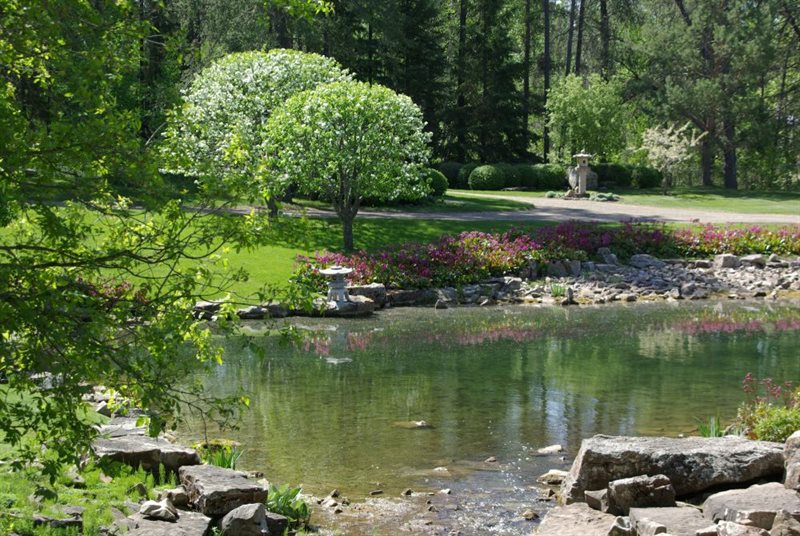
<point>472,256</point>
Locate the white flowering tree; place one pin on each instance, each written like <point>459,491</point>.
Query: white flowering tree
<point>668,147</point>
<point>217,135</point>
<point>346,141</point>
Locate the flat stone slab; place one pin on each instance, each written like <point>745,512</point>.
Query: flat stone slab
<point>639,492</point>
<point>575,520</point>
<point>215,491</point>
<point>729,528</point>
<point>188,524</point>
<point>145,452</point>
<point>755,506</point>
<point>121,427</point>
<point>678,520</point>
<point>692,464</point>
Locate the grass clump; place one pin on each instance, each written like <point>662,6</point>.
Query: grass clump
<point>286,501</point>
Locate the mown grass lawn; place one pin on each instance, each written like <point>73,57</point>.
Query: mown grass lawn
<point>454,201</point>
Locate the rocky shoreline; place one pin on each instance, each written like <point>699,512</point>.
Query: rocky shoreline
<point>570,282</point>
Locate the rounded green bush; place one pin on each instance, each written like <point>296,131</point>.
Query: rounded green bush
<point>619,174</point>
<point>450,169</point>
<point>438,182</point>
<point>777,423</point>
<point>487,177</point>
<point>526,175</point>
<point>646,177</point>
<point>550,176</point>
<point>465,172</point>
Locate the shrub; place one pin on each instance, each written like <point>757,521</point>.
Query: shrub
<point>437,181</point>
<point>550,176</point>
<point>488,177</point>
<point>527,175</point>
<point>451,170</point>
<point>646,177</point>
<point>617,173</point>
<point>465,172</point>
<point>776,423</point>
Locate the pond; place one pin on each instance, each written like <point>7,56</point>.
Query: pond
<point>332,410</point>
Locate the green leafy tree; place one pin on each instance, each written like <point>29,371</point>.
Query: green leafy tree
<point>92,290</point>
<point>587,116</point>
<point>346,141</point>
<point>217,134</point>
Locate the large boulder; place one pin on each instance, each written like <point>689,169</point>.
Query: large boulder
<point>785,525</point>
<point>247,520</point>
<point>791,453</point>
<point>643,261</point>
<point>576,520</point>
<point>639,491</point>
<point>692,464</point>
<point>755,506</point>
<point>145,452</point>
<point>374,291</point>
<point>188,524</point>
<point>404,298</point>
<point>215,491</point>
<point>678,521</point>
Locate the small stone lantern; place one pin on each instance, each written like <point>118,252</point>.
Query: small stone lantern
<point>337,286</point>
<point>583,171</point>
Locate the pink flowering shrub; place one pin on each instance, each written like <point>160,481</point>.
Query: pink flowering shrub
<point>472,256</point>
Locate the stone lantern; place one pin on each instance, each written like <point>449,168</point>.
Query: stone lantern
<point>337,286</point>
<point>583,170</point>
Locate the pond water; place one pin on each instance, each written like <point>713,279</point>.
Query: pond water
<point>329,411</point>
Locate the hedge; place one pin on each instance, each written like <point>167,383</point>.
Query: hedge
<point>450,170</point>
<point>488,177</point>
<point>438,182</point>
<point>646,177</point>
<point>619,174</point>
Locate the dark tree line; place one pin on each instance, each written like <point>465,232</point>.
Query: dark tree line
<point>481,69</point>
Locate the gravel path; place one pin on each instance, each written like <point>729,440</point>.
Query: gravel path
<point>545,209</point>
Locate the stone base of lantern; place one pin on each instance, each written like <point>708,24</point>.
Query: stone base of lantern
<point>355,306</point>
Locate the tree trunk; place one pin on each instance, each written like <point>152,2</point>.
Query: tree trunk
<point>729,153</point>
<point>526,71</point>
<point>570,33</point>
<point>605,40</point>
<point>579,45</point>
<point>546,69</point>
<point>461,137</point>
<point>347,230</point>
<point>706,160</point>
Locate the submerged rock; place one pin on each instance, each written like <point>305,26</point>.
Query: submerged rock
<point>692,464</point>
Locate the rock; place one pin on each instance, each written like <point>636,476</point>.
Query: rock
<point>406,492</point>
<point>247,520</point>
<point>530,515</point>
<point>574,267</point>
<point>622,527</point>
<point>252,312</point>
<point>785,524</point>
<point>553,477</point>
<point>440,305</point>
<point>447,295</point>
<point>755,506</point>
<point>53,523</point>
<point>639,491</point>
<point>511,284</point>
<point>643,261</point>
<point>205,310</point>
<point>490,459</point>
<point>728,528</point>
<point>726,260</point>
<point>374,291</point>
<point>677,520</point>
<point>74,479</point>
<point>276,523</point>
<point>121,427</point>
<point>163,510</point>
<point>692,464</point>
<point>188,524</point>
<point>556,269</point>
<point>575,520</point>
<point>145,452</point>
<point>705,264</point>
<point>215,491</point>
<point>403,298</point>
<point>607,256</point>
<point>710,530</point>
<point>597,499</point>
<point>355,306</point>
<point>178,496</point>
<point>754,260</point>
<point>552,449</point>
<point>277,310</point>
<point>791,453</point>
<point>376,492</point>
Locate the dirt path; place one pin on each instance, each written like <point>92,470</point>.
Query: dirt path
<point>544,209</point>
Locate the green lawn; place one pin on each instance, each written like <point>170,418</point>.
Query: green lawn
<point>274,264</point>
<point>454,201</point>
<point>717,199</point>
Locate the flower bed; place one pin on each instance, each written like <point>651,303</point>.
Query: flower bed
<point>472,256</point>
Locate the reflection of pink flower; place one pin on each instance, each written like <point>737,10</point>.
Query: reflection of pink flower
<point>734,326</point>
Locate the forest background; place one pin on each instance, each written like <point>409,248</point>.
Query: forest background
<point>482,72</point>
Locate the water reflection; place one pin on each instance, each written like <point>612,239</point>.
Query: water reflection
<point>493,383</point>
